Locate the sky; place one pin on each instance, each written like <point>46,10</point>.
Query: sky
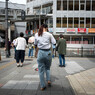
<point>16,1</point>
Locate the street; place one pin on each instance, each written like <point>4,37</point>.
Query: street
<point>77,78</point>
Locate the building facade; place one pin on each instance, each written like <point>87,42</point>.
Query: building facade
<point>15,28</point>
<point>75,19</point>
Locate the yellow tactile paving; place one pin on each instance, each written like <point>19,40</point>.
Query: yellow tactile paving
<point>6,65</point>
<point>83,83</point>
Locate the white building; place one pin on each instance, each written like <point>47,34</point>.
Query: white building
<point>14,10</point>
<point>75,19</point>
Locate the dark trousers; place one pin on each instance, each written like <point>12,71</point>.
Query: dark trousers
<point>20,54</point>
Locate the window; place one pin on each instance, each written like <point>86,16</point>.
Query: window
<point>82,4</point>
<point>87,22</point>
<point>59,5</point>
<point>93,22</point>
<point>88,5</point>
<point>82,7</point>
<point>28,1</point>
<point>64,24</point>
<point>50,23</point>
<point>27,10</point>
<point>70,22</point>
<point>76,5</point>
<point>71,5</point>
<point>93,5</point>
<point>58,24</point>
<point>82,1</point>
<point>81,22</point>
<point>76,22</point>
<point>64,4</point>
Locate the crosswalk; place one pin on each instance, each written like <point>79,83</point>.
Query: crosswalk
<point>73,67</point>
<point>31,81</point>
<point>23,84</point>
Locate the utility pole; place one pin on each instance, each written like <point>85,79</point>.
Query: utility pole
<point>6,33</point>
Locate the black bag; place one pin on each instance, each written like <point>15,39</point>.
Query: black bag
<point>56,48</point>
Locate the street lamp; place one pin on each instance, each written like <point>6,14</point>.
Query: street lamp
<point>6,33</point>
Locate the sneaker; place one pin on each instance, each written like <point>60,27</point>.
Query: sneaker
<point>60,65</point>
<point>18,65</point>
<point>42,89</point>
<point>21,65</point>
<point>63,65</point>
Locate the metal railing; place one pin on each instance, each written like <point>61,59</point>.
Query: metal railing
<point>79,52</point>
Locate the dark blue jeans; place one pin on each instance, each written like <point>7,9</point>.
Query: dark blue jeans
<point>61,57</point>
<point>20,54</point>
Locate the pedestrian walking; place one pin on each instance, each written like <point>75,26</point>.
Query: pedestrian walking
<point>61,47</point>
<point>43,40</point>
<point>20,49</point>
<point>31,46</point>
<point>9,48</point>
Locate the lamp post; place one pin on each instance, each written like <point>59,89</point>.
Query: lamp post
<point>6,33</point>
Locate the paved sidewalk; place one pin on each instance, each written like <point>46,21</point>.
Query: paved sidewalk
<point>74,79</point>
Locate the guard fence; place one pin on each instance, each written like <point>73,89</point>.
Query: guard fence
<point>79,52</point>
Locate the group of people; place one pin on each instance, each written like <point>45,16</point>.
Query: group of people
<point>42,41</point>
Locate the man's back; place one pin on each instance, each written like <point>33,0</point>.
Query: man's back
<point>62,46</point>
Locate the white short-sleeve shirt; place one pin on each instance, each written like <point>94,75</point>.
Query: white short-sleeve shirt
<point>20,43</point>
<point>44,41</point>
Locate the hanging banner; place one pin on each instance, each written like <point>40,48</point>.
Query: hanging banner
<point>71,30</point>
<point>91,30</point>
<point>81,30</point>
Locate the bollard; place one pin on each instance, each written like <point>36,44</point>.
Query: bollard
<point>81,51</point>
<point>0,55</point>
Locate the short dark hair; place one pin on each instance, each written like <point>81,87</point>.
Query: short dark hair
<point>61,36</point>
<point>21,34</point>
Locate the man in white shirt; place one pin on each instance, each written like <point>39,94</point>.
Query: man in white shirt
<point>20,49</point>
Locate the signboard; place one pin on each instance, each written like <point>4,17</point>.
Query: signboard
<point>71,30</point>
<point>91,30</point>
<point>50,29</point>
<point>81,30</point>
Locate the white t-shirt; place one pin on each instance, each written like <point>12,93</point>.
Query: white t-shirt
<point>44,41</point>
<point>20,43</point>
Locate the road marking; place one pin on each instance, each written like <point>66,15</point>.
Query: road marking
<point>73,67</point>
<point>6,65</point>
<point>31,76</point>
<point>21,84</point>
